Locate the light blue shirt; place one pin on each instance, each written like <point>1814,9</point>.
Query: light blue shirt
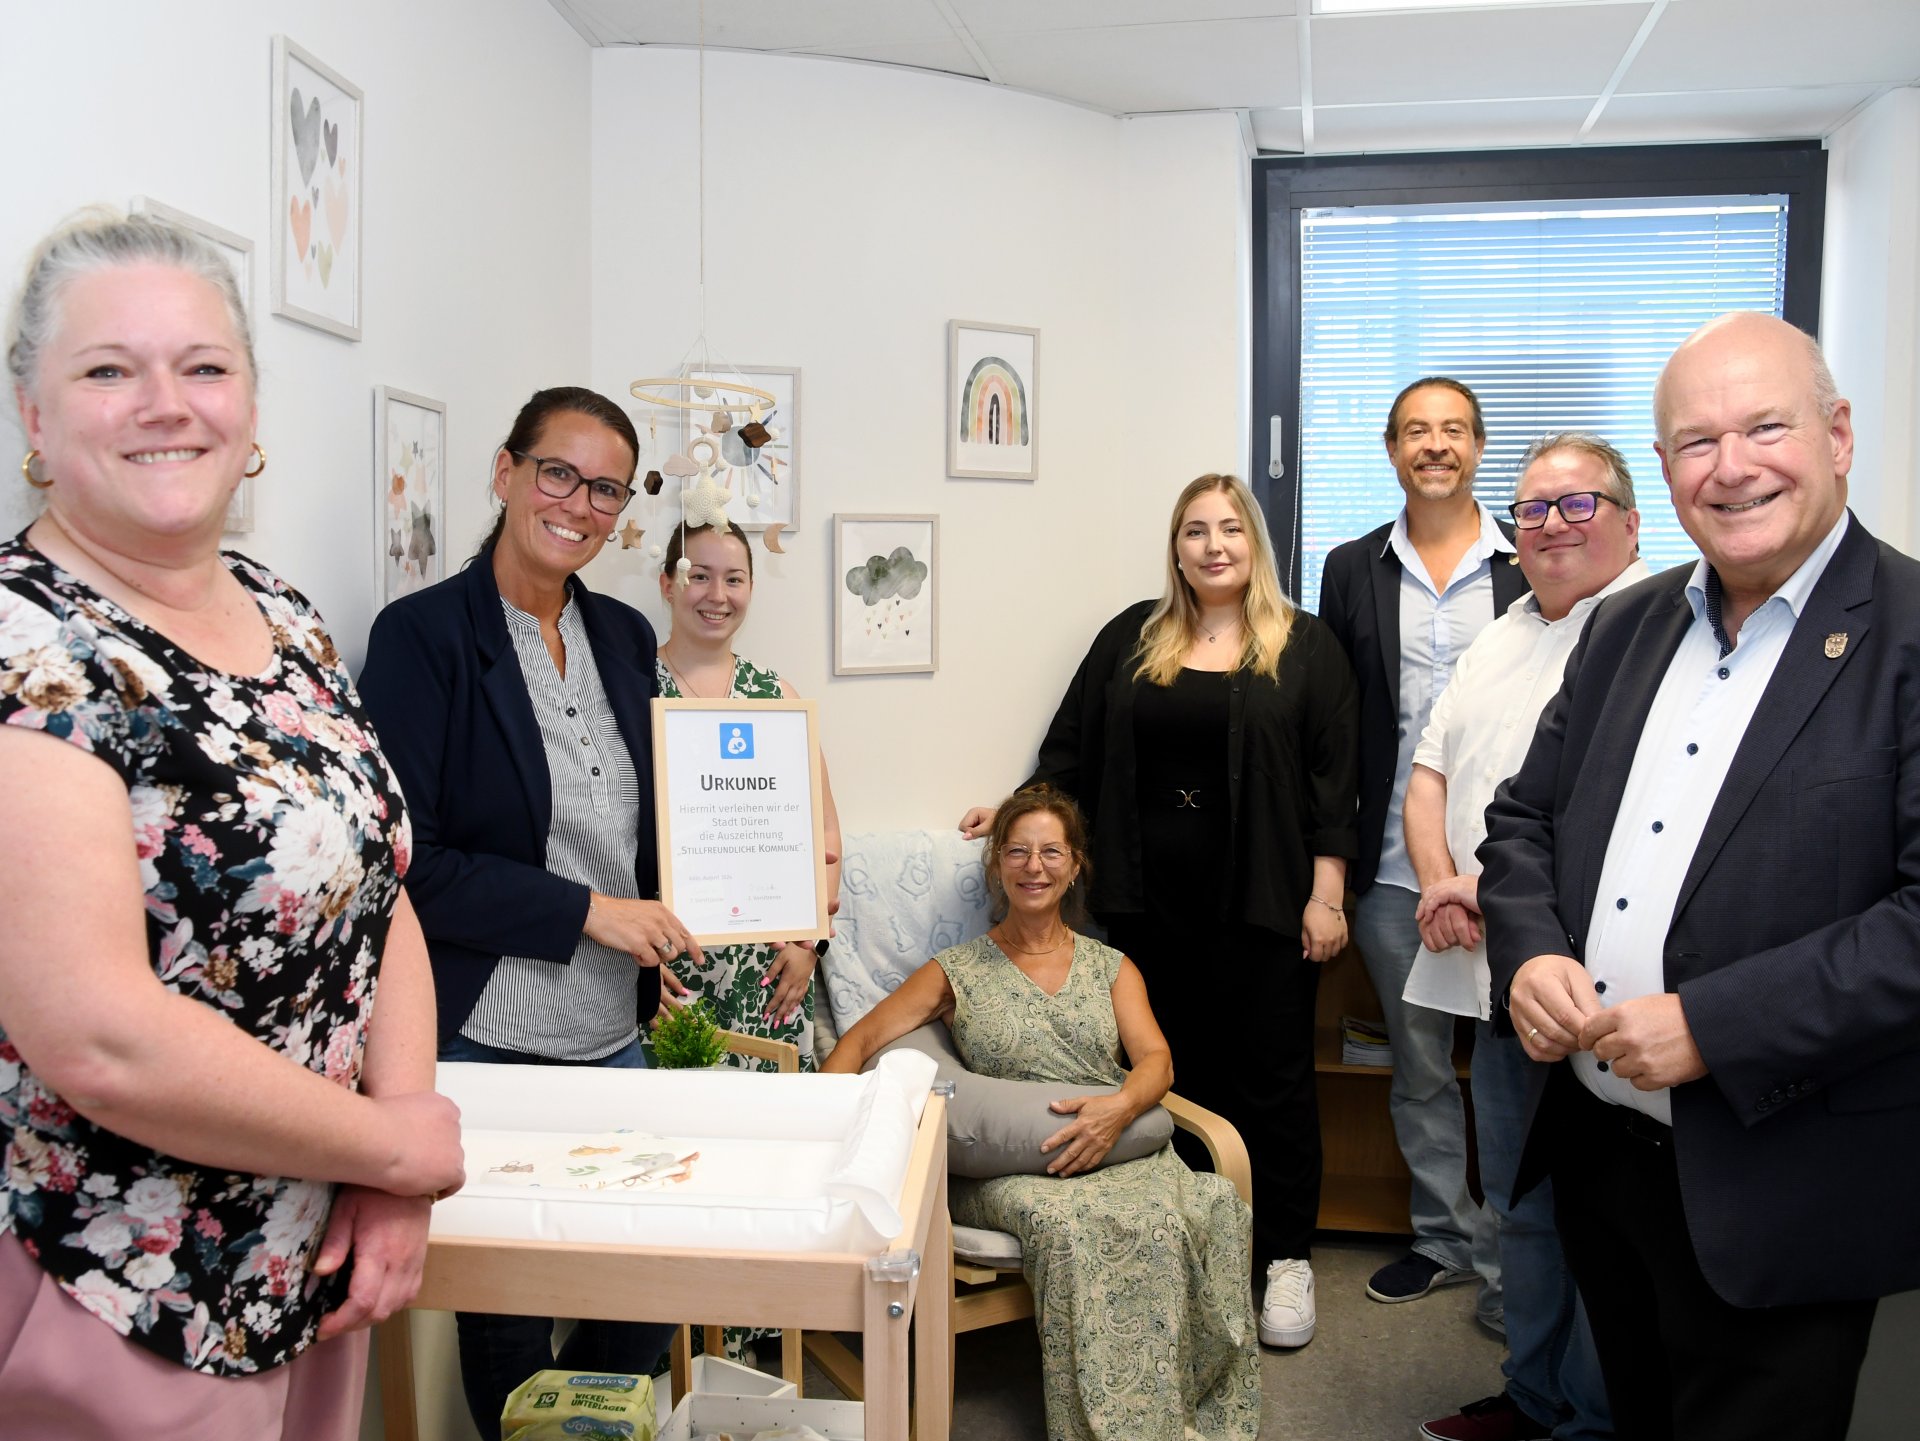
<point>1437,624</point>
<point>1700,714</point>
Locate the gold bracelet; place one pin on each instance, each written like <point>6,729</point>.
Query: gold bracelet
<point>1337,910</point>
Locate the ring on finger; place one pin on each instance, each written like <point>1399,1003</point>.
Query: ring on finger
<point>1532,1033</point>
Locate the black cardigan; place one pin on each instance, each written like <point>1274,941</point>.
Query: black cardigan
<point>445,690</point>
<point>1290,770</point>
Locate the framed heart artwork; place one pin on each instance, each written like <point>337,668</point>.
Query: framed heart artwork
<point>316,193</point>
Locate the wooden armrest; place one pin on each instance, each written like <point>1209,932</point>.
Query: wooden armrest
<point>1223,1143</point>
<point>784,1054</point>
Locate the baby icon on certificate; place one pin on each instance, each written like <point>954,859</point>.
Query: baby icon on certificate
<point>737,796</point>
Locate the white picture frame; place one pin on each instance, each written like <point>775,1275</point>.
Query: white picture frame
<point>237,251</point>
<point>317,154</point>
<point>886,612</point>
<point>774,475</point>
<point>410,492</point>
<point>741,824</point>
<point>993,401</point>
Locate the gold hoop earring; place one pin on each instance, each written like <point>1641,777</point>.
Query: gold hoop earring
<point>260,456</point>
<point>26,469</point>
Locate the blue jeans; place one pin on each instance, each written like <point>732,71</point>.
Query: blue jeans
<point>497,1353</point>
<point>1429,1118</point>
<point>1551,1368</point>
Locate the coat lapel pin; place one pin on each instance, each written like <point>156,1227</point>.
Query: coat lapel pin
<point>1836,645</point>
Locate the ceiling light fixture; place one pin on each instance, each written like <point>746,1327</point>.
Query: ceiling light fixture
<point>1369,7</point>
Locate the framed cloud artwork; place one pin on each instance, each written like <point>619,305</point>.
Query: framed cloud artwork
<point>993,378</point>
<point>410,502</point>
<point>886,594</point>
<point>316,192</point>
<point>237,251</point>
<point>764,478</point>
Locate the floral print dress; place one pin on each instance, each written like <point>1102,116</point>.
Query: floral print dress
<point>731,977</point>
<point>271,838</point>
<point>1139,1270</point>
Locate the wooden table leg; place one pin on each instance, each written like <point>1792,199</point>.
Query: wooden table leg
<point>933,1328</point>
<point>883,1358</point>
<point>393,1348</point>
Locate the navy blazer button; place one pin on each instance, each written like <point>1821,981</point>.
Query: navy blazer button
<point>1659,826</point>
<point>1621,904</point>
<point>1778,1098</point>
<point>1762,1104</point>
<point>1599,988</point>
<point>1692,749</point>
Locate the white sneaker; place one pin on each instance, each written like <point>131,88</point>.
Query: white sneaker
<point>1287,1315</point>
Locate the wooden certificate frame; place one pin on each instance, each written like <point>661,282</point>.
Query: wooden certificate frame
<point>733,767</point>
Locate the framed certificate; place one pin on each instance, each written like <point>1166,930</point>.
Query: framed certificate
<point>737,800</point>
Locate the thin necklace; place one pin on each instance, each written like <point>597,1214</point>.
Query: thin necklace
<point>687,689</point>
<point>1055,945</point>
<point>1214,635</point>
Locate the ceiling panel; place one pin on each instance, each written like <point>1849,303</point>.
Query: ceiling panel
<point>1760,43</point>
<point>949,56</point>
<point>1498,124</point>
<point>1009,17</point>
<point>1470,55</point>
<point>1727,115</point>
<point>1277,130</point>
<point>765,24</point>
<point>1223,64</point>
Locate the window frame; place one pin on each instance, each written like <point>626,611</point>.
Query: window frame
<point>1283,186</point>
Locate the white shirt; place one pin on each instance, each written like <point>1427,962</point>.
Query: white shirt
<point>1477,736</point>
<point>1699,716</point>
<point>1437,623</point>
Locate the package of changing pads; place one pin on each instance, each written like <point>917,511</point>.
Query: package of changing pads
<point>580,1406</point>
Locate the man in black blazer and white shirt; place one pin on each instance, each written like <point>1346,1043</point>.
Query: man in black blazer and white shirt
<point>1702,901</point>
<point>1404,601</point>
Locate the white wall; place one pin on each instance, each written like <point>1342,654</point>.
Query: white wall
<point>1870,305</point>
<point>475,288</point>
<point>854,210</point>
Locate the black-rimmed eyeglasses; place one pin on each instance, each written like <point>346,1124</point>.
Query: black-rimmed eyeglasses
<point>1576,507</point>
<point>560,480</point>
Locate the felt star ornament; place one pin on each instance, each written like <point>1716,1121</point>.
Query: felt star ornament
<point>706,504</point>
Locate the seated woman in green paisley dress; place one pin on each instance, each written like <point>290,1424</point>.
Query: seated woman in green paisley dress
<point>1139,1270</point>
<point>759,989</point>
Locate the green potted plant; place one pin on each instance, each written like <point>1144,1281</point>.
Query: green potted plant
<point>688,1039</point>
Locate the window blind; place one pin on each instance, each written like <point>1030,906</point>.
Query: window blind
<point>1558,315</point>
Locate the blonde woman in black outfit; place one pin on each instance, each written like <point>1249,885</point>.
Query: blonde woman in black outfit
<point>1209,737</point>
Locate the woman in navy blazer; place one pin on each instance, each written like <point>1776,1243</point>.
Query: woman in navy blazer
<point>512,703</point>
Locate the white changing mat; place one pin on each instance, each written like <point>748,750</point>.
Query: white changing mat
<point>787,1163</point>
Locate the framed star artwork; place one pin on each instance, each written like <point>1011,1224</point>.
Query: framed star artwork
<point>762,471</point>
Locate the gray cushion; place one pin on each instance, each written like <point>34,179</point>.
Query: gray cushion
<point>995,1127</point>
<point>986,1248</point>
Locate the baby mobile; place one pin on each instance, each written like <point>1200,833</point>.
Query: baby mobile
<point>726,420</point>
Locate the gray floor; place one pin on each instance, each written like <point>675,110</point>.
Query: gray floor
<point>1372,1372</point>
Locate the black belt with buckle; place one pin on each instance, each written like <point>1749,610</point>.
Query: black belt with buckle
<point>1635,1122</point>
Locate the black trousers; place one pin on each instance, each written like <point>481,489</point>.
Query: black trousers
<point>1680,1363</point>
<point>1236,1004</point>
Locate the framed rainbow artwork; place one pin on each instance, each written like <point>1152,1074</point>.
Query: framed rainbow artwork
<point>993,381</point>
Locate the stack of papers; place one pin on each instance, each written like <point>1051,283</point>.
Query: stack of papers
<point>1364,1043</point>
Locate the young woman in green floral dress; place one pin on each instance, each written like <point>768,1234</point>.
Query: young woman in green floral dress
<point>761,989</point>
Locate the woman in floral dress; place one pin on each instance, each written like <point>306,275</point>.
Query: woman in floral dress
<point>758,989</point>
<point>212,1147</point>
<point>1138,1270</point>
